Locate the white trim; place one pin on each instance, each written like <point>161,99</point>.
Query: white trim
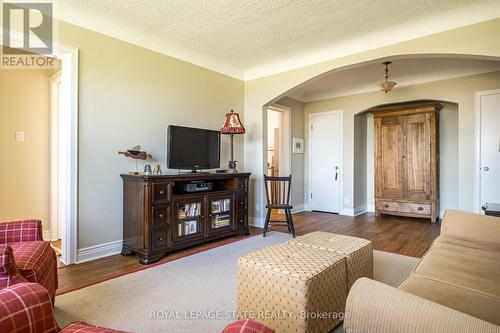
<point>477,162</point>
<point>370,208</point>
<point>69,171</point>
<point>99,251</point>
<point>353,211</point>
<point>347,212</point>
<point>341,167</point>
<point>55,198</point>
<point>256,221</point>
<point>298,208</point>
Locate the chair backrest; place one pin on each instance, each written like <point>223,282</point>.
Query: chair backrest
<point>278,189</point>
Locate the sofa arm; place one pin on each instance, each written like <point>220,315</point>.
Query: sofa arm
<point>20,231</point>
<point>469,225</point>
<point>9,274</point>
<point>373,307</point>
<point>26,308</point>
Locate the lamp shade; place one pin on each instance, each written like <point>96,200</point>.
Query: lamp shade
<point>232,124</point>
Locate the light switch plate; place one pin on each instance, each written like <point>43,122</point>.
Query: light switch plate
<point>19,136</point>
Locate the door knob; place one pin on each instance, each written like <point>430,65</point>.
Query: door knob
<point>486,169</point>
<point>336,172</point>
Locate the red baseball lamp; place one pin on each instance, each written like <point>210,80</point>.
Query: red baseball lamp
<point>232,125</point>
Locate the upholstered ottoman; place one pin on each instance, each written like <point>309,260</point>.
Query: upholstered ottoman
<point>292,288</point>
<point>357,251</point>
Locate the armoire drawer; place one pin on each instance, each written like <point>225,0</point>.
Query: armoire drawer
<point>404,207</point>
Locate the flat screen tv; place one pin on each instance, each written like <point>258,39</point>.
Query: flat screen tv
<point>192,148</point>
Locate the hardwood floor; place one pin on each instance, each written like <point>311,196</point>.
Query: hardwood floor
<point>407,236</point>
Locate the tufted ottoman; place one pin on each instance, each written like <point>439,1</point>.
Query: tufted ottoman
<point>302,285</point>
<point>357,251</point>
<point>291,288</point>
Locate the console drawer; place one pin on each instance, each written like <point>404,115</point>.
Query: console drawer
<point>162,192</point>
<point>159,238</point>
<point>241,220</point>
<point>241,203</point>
<point>161,216</point>
<point>242,185</point>
<point>404,207</point>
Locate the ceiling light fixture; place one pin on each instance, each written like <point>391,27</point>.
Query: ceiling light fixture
<point>386,85</point>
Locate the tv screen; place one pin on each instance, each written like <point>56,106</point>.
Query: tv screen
<point>193,148</point>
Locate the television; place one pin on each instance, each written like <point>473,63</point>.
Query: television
<point>192,148</point>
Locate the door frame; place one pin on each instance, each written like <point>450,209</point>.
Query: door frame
<point>68,170</point>
<point>477,162</point>
<point>308,174</point>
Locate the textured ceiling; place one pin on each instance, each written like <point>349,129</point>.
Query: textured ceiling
<point>404,71</point>
<point>253,38</point>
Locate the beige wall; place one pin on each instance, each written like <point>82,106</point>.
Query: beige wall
<point>297,130</point>
<point>478,40</point>
<point>25,166</point>
<point>360,162</point>
<point>129,95</point>
<point>460,91</point>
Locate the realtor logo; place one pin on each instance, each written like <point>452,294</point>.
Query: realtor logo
<point>27,36</point>
<point>34,21</point>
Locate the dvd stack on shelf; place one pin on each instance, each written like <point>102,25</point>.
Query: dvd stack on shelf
<point>221,216</point>
<point>188,216</point>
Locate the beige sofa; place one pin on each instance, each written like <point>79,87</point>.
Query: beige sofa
<point>454,288</point>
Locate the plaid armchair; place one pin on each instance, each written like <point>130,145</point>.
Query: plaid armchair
<point>24,256</point>
<point>27,308</point>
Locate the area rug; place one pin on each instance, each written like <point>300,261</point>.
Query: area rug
<point>189,295</point>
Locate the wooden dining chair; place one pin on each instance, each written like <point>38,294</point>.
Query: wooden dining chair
<point>278,197</point>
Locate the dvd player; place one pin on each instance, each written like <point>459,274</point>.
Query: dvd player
<point>197,187</point>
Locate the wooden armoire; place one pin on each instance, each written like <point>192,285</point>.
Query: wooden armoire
<point>407,161</point>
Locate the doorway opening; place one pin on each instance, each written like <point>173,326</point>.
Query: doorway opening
<point>278,144</point>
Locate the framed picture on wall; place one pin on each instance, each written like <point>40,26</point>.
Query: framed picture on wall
<point>298,145</point>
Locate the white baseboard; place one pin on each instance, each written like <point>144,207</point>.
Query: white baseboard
<point>353,211</point>
<point>360,210</point>
<point>99,251</point>
<point>370,208</point>
<point>298,208</point>
<point>347,211</point>
<point>257,221</point>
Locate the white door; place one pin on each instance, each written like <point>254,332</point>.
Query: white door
<point>490,148</point>
<point>325,156</point>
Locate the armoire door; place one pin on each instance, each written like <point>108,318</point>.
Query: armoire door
<point>388,159</point>
<point>417,156</point>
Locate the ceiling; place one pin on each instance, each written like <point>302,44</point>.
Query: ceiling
<point>404,71</point>
<point>247,39</point>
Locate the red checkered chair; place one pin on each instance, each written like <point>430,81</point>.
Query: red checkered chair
<point>27,308</point>
<point>247,326</point>
<point>24,256</point>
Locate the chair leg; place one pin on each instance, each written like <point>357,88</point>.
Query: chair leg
<point>266,224</point>
<point>289,221</point>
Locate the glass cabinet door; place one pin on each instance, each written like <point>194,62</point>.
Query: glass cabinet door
<point>220,214</point>
<point>189,219</point>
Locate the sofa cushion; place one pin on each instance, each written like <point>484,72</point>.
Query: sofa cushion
<point>462,269</point>
<point>468,246</point>
<point>37,262</point>
<point>468,301</point>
